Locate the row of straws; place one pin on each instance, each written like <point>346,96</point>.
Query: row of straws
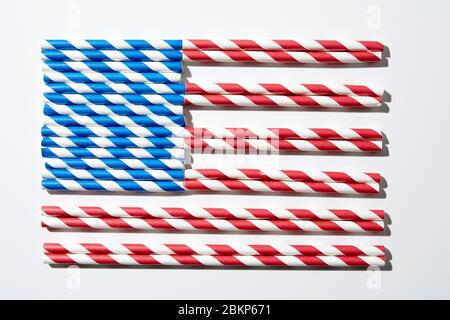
<point>213,220</point>
<point>114,116</point>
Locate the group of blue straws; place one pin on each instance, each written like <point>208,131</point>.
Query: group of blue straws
<point>113,120</point>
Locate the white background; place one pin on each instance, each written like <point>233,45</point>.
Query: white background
<point>416,123</point>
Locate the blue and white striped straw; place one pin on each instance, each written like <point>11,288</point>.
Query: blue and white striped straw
<point>112,44</point>
<point>113,174</point>
<point>111,77</point>
<point>124,153</point>
<point>95,98</point>
<point>51,109</point>
<point>113,120</point>
<point>116,131</point>
<point>111,55</point>
<point>113,185</point>
<point>119,142</point>
<point>113,163</point>
<point>75,66</point>
<point>120,88</point>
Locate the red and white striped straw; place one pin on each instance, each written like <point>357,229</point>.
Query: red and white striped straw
<point>282,175</point>
<point>281,186</point>
<point>284,145</point>
<point>214,249</point>
<point>259,100</point>
<point>211,225</point>
<point>307,57</point>
<point>214,261</point>
<point>283,89</point>
<point>282,45</point>
<point>67,211</point>
<point>285,133</point>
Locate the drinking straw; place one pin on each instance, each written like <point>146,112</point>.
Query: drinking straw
<point>271,213</point>
<point>282,175</point>
<point>213,174</point>
<point>282,133</point>
<point>147,88</point>
<point>216,144</point>
<point>214,261</point>
<point>123,153</point>
<point>215,44</point>
<point>119,142</point>
<point>126,66</point>
<point>143,99</point>
<point>111,77</point>
<point>207,249</point>
<point>113,174</point>
<point>303,89</point>
<point>113,186</point>
<point>112,44</point>
<point>283,45</point>
<point>281,186</point>
<point>211,132</point>
<point>284,145</point>
<point>282,57</point>
<point>115,131</point>
<point>51,109</point>
<point>204,55</point>
<point>214,100</point>
<point>212,224</point>
<point>210,185</point>
<point>114,120</point>
<point>65,85</point>
<point>111,55</point>
<point>113,163</point>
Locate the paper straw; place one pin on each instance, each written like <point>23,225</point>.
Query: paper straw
<point>282,45</point>
<point>231,145</point>
<point>281,186</point>
<point>123,153</point>
<point>282,56</point>
<point>95,98</point>
<point>112,44</point>
<point>116,131</point>
<point>75,66</point>
<point>131,142</point>
<point>282,175</point>
<point>213,213</point>
<point>51,109</point>
<point>214,100</point>
<point>113,120</point>
<point>113,174</point>
<point>212,225</point>
<point>214,44</point>
<point>212,174</point>
<point>113,163</point>
<point>214,261</point>
<point>215,144</point>
<point>148,88</point>
<point>282,89</point>
<point>216,133</point>
<point>113,186</point>
<point>111,55</point>
<point>286,133</point>
<point>211,185</point>
<point>223,249</point>
<point>112,77</point>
